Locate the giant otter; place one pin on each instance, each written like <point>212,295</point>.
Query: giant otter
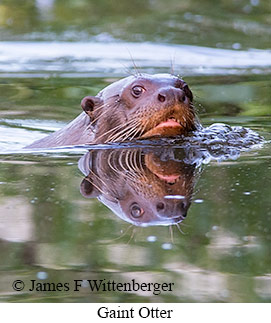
<point>138,106</point>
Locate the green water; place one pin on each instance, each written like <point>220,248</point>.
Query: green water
<point>195,22</point>
<point>50,233</point>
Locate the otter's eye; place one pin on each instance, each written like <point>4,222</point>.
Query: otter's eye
<point>137,91</point>
<point>136,211</point>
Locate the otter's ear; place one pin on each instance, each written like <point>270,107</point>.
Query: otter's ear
<point>87,189</point>
<point>89,103</point>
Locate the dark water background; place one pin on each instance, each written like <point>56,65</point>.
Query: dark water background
<point>53,53</point>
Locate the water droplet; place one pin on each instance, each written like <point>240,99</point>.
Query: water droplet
<point>179,197</point>
<point>247,193</point>
<point>166,246</point>
<point>236,46</point>
<point>42,275</point>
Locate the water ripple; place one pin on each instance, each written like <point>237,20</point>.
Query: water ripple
<point>111,58</point>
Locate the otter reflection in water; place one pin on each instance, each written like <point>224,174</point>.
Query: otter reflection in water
<point>154,186</point>
<point>143,187</point>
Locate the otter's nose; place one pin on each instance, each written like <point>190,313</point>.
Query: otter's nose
<point>181,209</point>
<point>168,95</point>
<point>172,210</point>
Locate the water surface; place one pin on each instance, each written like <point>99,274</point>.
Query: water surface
<point>53,54</point>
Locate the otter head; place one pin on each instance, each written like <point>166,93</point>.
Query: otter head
<point>139,187</point>
<point>141,106</point>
